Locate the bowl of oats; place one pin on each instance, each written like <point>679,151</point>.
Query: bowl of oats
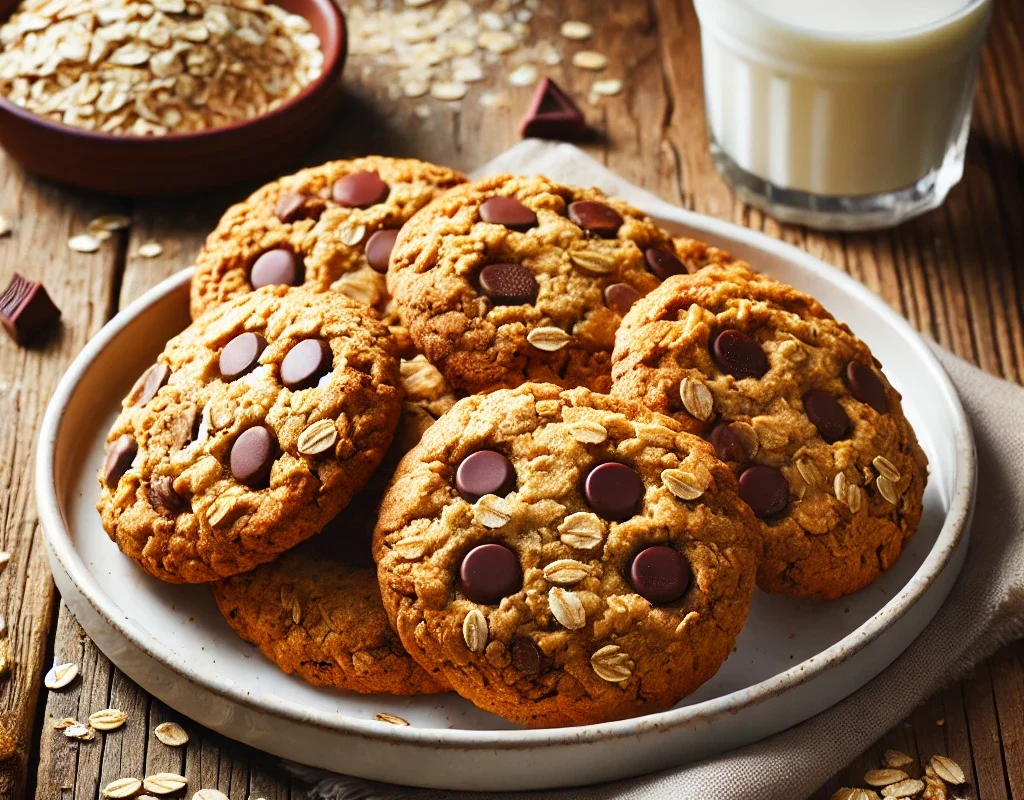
<point>149,97</point>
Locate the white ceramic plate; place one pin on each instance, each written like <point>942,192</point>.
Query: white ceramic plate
<point>793,660</point>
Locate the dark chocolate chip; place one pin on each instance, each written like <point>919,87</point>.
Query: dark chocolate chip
<point>148,384</point>
<point>663,263</point>
<point>306,363</point>
<point>379,247</point>
<point>241,355</point>
<point>293,206</point>
<point>26,310</point>
<point>252,456</point>
<point>596,217</point>
<point>553,115</point>
<point>359,190</point>
<point>485,472</point>
<point>614,490</point>
<point>509,212</point>
<point>764,489</point>
<point>489,572</point>
<point>163,498</point>
<point>120,456</point>
<point>508,284</point>
<point>526,656</point>
<point>619,297</point>
<point>866,386</point>
<point>739,355</point>
<point>660,574</point>
<point>827,415</point>
<point>276,267</point>
<point>729,444</point>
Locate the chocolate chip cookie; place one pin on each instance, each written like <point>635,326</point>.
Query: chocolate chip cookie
<point>316,611</point>
<point>799,408</point>
<point>510,279</point>
<point>563,557</point>
<point>254,428</point>
<point>331,226</point>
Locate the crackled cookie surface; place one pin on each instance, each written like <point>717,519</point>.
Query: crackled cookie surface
<point>562,557</point>
<point>510,279</point>
<point>254,428</point>
<point>316,611</point>
<point>799,408</point>
<point>330,226</point>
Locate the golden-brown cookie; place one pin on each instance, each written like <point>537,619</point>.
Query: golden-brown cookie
<point>330,226</point>
<point>255,427</point>
<point>564,557</point>
<point>800,409</point>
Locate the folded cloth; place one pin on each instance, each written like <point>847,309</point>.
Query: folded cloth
<point>984,611</point>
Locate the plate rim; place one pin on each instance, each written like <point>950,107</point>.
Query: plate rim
<point>950,537</point>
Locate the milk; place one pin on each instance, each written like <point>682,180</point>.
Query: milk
<point>841,113</point>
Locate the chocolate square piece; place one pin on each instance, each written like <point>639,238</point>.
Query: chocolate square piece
<point>553,115</point>
<point>26,310</point>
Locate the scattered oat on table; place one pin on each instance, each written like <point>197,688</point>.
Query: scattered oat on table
<point>390,718</point>
<point>576,30</point>
<point>526,75</point>
<point>896,759</point>
<point>108,719</point>
<point>171,734</point>
<point>448,90</point>
<point>84,243</point>
<point>947,769</point>
<point>60,675</point>
<point>590,59</point>
<point>164,783</point>
<point>150,249</point>
<point>209,794</point>
<point>64,722</point>
<point>122,787</point>
<point>81,732</point>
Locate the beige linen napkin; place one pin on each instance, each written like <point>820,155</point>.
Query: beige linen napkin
<point>984,610</point>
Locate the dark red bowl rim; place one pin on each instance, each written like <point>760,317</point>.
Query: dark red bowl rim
<point>333,62</point>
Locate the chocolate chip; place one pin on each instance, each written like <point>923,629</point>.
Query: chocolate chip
<point>866,386</point>
<point>526,656</point>
<point>595,217</point>
<point>359,190</point>
<point>275,268</point>
<point>764,489</point>
<point>120,456</point>
<point>827,415</point>
<point>26,310</point>
<point>148,384</point>
<point>508,284</point>
<point>553,115</point>
<point>292,206</point>
<point>509,212</point>
<point>663,263</point>
<point>614,490</point>
<point>252,456</point>
<point>660,574</point>
<point>739,355</point>
<point>306,363</point>
<point>379,247</point>
<point>241,355</point>
<point>163,498</point>
<point>619,297</point>
<point>485,472</point>
<point>489,572</point>
<point>728,444</point>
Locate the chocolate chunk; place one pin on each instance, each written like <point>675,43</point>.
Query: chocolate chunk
<point>526,656</point>
<point>764,489</point>
<point>489,572</point>
<point>120,456</point>
<point>619,297</point>
<point>553,115</point>
<point>827,415</point>
<point>163,498</point>
<point>26,310</point>
<point>379,247</point>
<point>252,456</point>
<point>508,284</point>
<point>663,263</point>
<point>595,217</point>
<point>730,444</point>
<point>485,472</point>
<point>241,355</point>
<point>148,384</point>
<point>660,574</point>
<point>293,206</point>
<point>359,190</point>
<point>614,491</point>
<point>277,267</point>
<point>306,363</point>
<point>509,212</point>
<point>739,355</point>
<point>866,386</point>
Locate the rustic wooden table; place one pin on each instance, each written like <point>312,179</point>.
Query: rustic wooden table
<point>955,274</point>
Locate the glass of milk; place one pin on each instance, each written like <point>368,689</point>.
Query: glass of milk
<point>841,114</point>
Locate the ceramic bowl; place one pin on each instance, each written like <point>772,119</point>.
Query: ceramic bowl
<point>184,162</point>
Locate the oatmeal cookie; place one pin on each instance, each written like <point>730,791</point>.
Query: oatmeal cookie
<point>330,226</point>
<point>255,427</point>
<point>510,279</point>
<point>799,408</point>
<point>563,557</point>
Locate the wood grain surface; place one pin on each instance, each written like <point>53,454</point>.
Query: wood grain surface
<point>955,274</point>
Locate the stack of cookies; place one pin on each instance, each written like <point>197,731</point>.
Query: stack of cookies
<point>507,438</point>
